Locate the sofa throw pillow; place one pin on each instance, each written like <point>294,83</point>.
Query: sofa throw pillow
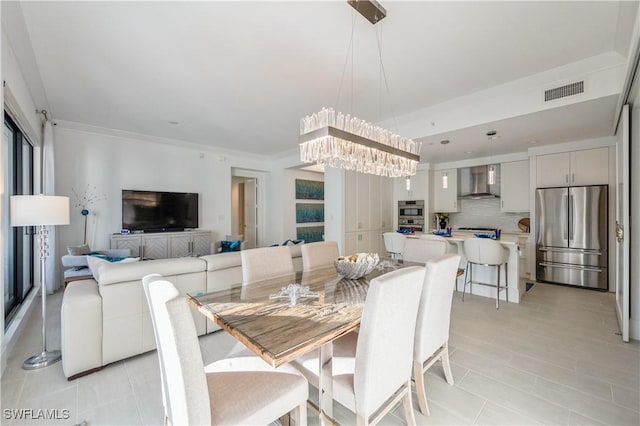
<point>95,262</point>
<point>228,246</point>
<point>79,250</point>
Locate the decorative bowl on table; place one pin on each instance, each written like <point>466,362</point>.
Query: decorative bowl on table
<point>356,265</point>
<point>442,233</point>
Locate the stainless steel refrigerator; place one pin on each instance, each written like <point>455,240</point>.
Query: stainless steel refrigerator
<point>571,241</point>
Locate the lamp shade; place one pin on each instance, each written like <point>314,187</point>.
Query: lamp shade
<point>33,210</point>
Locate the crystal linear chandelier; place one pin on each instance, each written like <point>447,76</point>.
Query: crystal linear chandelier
<point>343,141</point>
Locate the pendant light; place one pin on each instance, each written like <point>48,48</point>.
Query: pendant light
<point>491,176</point>
<point>408,183</point>
<point>445,177</point>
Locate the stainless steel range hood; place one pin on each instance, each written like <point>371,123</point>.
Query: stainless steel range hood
<point>474,182</point>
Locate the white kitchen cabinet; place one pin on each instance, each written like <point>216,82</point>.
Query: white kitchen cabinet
<point>358,205</point>
<point>363,198</point>
<point>445,200</point>
<point>590,167</point>
<point>375,210</point>
<point>418,189</point>
<point>576,168</point>
<point>386,204</point>
<point>368,211</point>
<point>553,170</point>
<point>359,242</point>
<point>164,245</point>
<point>514,190</point>
<point>351,202</point>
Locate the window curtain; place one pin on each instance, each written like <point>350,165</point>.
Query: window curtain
<point>48,188</point>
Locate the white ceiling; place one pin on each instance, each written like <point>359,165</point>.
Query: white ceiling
<point>239,75</point>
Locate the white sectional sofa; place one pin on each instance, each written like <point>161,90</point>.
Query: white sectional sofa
<point>108,320</point>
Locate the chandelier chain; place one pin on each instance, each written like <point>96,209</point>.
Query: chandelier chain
<point>346,62</point>
<point>384,77</point>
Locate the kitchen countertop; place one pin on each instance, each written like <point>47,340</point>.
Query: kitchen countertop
<point>510,241</point>
<point>456,236</point>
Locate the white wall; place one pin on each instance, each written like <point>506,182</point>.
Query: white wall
<point>112,162</point>
<point>281,192</point>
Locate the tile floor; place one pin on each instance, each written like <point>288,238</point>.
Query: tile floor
<point>556,358</point>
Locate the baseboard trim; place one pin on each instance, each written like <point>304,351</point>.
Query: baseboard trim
<point>18,323</point>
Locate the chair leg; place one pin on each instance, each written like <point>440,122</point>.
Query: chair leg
<point>466,275</point>
<point>408,405</point>
<point>446,365</point>
<point>421,392</point>
<point>498,289</point>
<point>506,279</point>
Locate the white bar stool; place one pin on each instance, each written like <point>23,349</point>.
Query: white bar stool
<point>486,252</point>
<point>394,244</point>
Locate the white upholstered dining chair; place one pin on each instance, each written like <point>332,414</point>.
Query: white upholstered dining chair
<point>319,255</point>
<point>264,263</point>
<point>377,378</point>
<point>240,391</point>
<point>432,327</point>
<point>420,249</point>
<point>146,280</point>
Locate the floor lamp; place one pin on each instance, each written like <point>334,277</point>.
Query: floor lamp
<point>40,211</point>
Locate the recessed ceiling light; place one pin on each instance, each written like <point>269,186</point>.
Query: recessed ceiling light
<point>444,142</point>
<point>175,123</point>
<point>468,152</point>
<point>532,142</point>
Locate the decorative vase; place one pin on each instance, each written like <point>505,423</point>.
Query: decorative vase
<point>443,223</point>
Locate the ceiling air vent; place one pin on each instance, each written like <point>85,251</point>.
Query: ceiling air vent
<point>564,91</point>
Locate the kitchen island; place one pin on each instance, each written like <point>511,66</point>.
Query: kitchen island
<point>488,274</point>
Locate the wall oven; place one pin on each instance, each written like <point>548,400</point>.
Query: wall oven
<point>411,215</point>
<point>411,209</point>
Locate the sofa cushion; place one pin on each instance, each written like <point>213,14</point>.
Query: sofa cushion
<point>79,250</point>
<point>296,250</point>
<point>222,261</point>
<point>96,263</point>
<point>69,261</point>
<point>114,273</point>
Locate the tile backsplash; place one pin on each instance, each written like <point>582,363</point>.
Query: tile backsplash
<point>484,213</point>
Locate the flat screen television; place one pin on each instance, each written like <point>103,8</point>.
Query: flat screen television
<point>155,211</point>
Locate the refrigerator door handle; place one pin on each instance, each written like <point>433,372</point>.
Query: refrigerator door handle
<point>582,251</point>
<point>570,209</point>
<point>565,266</point>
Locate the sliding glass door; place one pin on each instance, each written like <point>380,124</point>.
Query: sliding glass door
<point>20,242</point>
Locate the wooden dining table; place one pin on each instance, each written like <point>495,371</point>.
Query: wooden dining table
<point>279,332</point>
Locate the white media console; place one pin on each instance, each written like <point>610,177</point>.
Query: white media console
<point>163,245</point>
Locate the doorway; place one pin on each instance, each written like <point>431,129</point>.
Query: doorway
<point>245,195</point>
